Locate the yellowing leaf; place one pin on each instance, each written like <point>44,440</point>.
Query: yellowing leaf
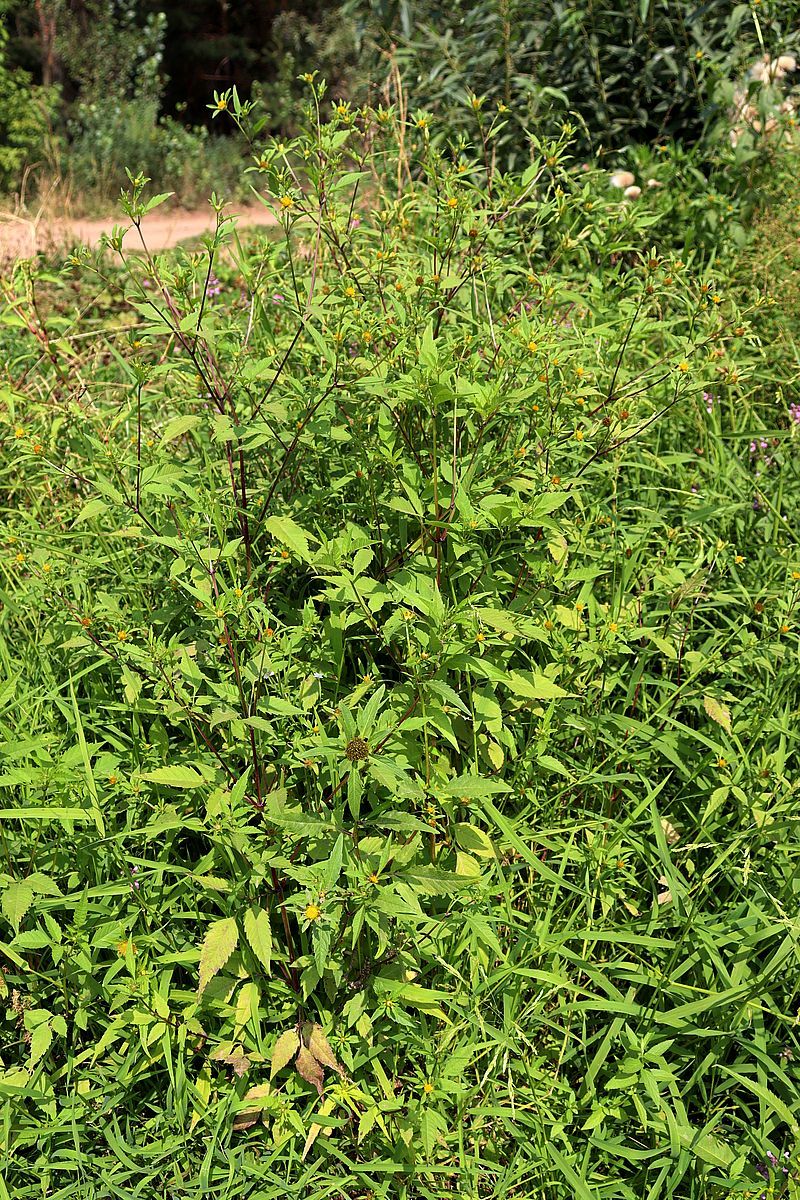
<point>325,1109</point>
<point>467,865</point>
<point>718,712</point>
<point>259,934</point>
<point>474,840</point>
<point>534,686</point>
<point>218,945</point>
<point>179,777</point>
<point>17,899</point>
<point>289,533</point>
<point>283,1051</point>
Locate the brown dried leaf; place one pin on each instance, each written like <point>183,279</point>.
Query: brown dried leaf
<point>233,1058</point>
<point>308,1068</point>
<point>670,832</point>
<point>314,1038</point>
<point>250,1116</point>
<point>664,896</point>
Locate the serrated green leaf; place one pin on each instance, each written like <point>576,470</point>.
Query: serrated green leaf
<point>258,932</point>
<point>219,944</point>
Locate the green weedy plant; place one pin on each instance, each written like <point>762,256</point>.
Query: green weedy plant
<point>397,738</point>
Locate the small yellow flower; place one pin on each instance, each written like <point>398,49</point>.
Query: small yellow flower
<point>237,592</point>
<point>350,292</point>
<point>722,762</point>
<point>578,435</point>
<point>784,628</point>
<point>613,627</point>
<point>422,122</point>
<point>556,481</point>
<point>112,779</point>
<point>533,347</point>
<point>122,635</point>
<point>19,558</point>
<point>372,878</point>
<point>46,568</point>
<point>124,947</point>
<point>312,912</point>
<point>222,104</point>
<point>716,299</point>
<point>37,447</point>
<point>739,558</point>
<point>683,366</point>
<point>19,432</point>
<point>548,624</point>
<point>452,202</point>
<point>580,372</point>
<point>366,336</point>
<point>795,574</point>
<point>287,202</point>
<point>480,637</point>
<point>427,1087</point>
<point>341,110</point>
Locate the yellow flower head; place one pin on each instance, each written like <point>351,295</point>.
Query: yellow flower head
<point>313,912</point>
<point>683,366</point>
<point>287,202</point>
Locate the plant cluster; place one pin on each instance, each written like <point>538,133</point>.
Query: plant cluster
<point>398,785</point>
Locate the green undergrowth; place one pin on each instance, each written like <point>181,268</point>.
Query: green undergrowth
<point>400,648</point>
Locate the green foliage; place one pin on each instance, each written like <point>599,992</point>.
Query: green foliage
<point>622,72</point>
<point>25,116</point>
<point>400,644</point>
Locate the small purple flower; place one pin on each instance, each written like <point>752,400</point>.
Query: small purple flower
<point>756,504</point>
<point>213,287</point>
<point>708,400</point>
<point>794,413</point>
<point>135,882</point>
<point>277,298</point>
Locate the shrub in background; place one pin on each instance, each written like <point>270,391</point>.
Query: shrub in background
<point>26,115</point>
<point>626,72</point>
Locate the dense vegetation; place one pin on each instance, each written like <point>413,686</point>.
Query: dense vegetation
<point>400,667</point>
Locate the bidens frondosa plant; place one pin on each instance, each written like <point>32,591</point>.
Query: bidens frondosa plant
<point>372,684</point>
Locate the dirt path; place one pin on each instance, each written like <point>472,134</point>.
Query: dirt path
<point>21,238</point>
